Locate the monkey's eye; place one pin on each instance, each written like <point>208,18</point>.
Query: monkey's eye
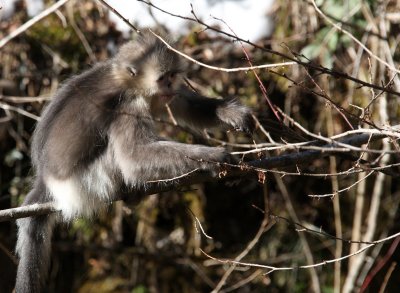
<point>161,78</point>
<point>131,70</point>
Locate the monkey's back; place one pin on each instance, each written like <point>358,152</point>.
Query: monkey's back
<point>72,130</point>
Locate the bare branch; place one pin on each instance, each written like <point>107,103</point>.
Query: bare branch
<point>20,111</point>
<point>27,211</point>
<point>286,160</point>
<point>236,69</point>
<point>339,28</point>
<point>118,14</point>
<point>315,265</point>
<point>313,66</point>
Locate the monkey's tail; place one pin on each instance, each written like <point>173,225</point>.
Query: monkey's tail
<point>34,245</point>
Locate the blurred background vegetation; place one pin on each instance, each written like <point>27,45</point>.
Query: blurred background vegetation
<point>155,246</point>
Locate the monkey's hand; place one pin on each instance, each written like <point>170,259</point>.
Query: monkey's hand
<point>214,159</point>
<point>164,159</point>
<point>236,115</point>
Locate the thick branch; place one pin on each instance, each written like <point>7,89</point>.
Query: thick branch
<point>27,211</point>
<point>287,160</point>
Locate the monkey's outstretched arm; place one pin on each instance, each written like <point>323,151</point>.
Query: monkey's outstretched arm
<point>165,160</point>
<point>194,110</point>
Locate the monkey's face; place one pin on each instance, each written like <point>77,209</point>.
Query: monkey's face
<point>168,84</point>
<point>147,68</point>
<point>151,79</point>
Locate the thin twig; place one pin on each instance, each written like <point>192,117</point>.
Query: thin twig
<point>119,15</point>
<point>334,73</point>
<point>387,277</point>
<point>23,100</point>
<point>270,268</point>
<point>19,111</point>
<point>223,69</point>
<point>353,38</point>
<point>337,192</point>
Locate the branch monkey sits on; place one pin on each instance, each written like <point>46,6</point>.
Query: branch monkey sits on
<point>96,138</point>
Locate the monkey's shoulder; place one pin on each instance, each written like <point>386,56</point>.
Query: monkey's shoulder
<point>85,96</point>
<point>94,81</point>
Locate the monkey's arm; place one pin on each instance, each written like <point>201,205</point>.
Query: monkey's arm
<point>194,110</point>
<point>159,160</point>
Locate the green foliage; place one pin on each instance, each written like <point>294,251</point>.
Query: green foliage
<point>140,289</point>
<point>84,227</point>
<point>60,39</point>
<point>328,289</point>
<point>328,39</point>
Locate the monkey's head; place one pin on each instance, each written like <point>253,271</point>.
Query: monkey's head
<point>148,68</point>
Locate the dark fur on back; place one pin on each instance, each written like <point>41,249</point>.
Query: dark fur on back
<point>96,137</point>
<point>73,128</point>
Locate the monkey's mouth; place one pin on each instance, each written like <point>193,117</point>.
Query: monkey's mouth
<point>167,96</point>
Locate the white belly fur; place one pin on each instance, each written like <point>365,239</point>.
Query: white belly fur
<point>85,194</point>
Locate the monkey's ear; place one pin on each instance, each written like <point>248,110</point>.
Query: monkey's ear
<point>132,71</point>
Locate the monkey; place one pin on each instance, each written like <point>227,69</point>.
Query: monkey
<point>96,137</point>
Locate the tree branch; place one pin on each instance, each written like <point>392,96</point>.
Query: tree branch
<point>263,165</point>
<point>36,209</point>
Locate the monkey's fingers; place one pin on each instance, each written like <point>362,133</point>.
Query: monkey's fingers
<point>248,126</point>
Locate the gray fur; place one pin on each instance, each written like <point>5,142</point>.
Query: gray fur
<point>33,245</point>
<point>96,137</point>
